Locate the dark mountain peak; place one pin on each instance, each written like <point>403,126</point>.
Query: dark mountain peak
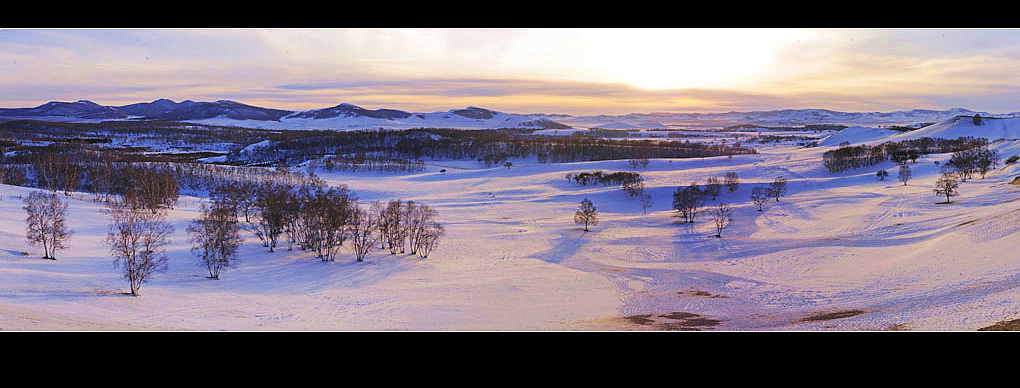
<point>350,110</point>
<point>81,109</point>
<point>190,110</point>
<point>473,112</point>
<point>144,109</point>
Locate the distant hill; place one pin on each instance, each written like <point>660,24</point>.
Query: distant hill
<point>348,110</point>
<point>347,116</point>
<point>188,111</point>
<point>81,109</point>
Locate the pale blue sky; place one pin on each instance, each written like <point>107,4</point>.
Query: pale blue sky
<point>572,71</point>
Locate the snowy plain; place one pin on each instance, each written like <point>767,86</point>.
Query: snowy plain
<point>841,251</point>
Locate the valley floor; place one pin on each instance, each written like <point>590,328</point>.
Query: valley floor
<point>842,251</point>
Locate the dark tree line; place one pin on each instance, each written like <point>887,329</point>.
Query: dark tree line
<point>487,146</point>
<point>606,179</point>
<point>851,157</point>
<point>361,162</point>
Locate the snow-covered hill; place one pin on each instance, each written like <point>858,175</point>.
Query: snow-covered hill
<point>854,135</point>
<point>990,128</point>
<point>347,116</point>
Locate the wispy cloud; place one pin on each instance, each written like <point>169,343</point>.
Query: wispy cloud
<point>561,70</point>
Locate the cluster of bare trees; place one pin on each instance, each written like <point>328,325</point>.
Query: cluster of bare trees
<point>13,175</point>
<point>407,224</point>
<point>320,219</point>
<point>136,235</point>
<point>965,163</point>
<point>361,162</point>
<point>962,165</point>
<point>151,189</point>
<point>762,194</point>
<point>215,237</point>
<point>77,170</point>
<point>638,162</point>
<point>687,200</point>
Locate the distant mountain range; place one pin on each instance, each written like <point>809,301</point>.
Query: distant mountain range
<point>348,116</point>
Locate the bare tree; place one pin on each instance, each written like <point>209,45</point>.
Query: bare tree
<point>639,162</point>
<point>378,210</point>
<point>722,216</point>
<point>778,188</point>
<point>760,195</point>
<point>136,239</point>
<point>327,215</point>
<point>362,227</point>
<point>586,214</point>
<point>904,173</point>
<point>634,187</point>
<point>963,163</point>
<point>419,219</point>
<point>215,238</point>
<point>646,202</point>
<point>946,185</point>
<point>271,201</point>
<point>985,160</point>
<point>151,189</point>
<point>393,225</point>
<point>430,238</point>
<point>732,181</point>
<point>712,187</point>
<point>45,224</point>
<point>293,220</point>
<point>687,200</point>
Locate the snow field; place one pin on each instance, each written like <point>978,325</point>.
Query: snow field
<point>512,258</point>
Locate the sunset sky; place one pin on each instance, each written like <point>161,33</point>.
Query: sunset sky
<point>570,71</point>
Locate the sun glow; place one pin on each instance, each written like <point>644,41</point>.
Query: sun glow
<point>674,59</point>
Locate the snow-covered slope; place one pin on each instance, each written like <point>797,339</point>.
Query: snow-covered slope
<point>854,135</point>
<point>842,251</point>
<point>990,128</point>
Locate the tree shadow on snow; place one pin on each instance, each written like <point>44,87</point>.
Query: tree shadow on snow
<point>567,245</point>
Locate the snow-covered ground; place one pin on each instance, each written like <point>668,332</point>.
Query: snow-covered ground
<point>874,255</point>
